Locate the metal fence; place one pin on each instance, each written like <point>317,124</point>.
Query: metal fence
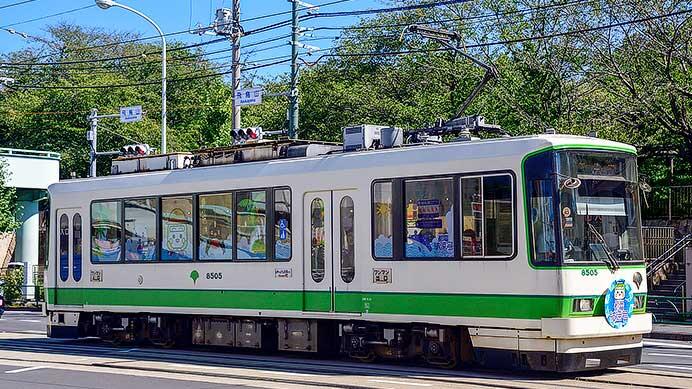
<point>657,240</point>
<point>668,202</point>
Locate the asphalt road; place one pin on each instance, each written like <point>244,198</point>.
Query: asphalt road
<point>29,359</point>
<point>23,322</point>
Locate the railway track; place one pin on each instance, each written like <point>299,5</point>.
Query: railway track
<point>299,370</point>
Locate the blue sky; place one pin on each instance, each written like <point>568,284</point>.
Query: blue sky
<point>172,16</point>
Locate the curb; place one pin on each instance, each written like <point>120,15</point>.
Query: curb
<point>685,337</point>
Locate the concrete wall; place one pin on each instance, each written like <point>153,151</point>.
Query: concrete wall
<point>31,172</point>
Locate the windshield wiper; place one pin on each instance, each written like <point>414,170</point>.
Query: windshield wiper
<point>611,262</point>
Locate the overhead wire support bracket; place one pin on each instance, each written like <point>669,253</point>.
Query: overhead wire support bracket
<point>445,38</point>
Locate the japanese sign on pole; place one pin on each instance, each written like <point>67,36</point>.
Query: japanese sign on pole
<point>131,114</point>
<point>252,96</point>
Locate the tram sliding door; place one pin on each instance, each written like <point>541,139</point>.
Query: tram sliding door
<point>328,241</point>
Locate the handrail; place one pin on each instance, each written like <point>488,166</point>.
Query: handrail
<point>25,152</point>
<point>663,259</point>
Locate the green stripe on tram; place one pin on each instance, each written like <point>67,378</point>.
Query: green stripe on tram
<point>420,304</point>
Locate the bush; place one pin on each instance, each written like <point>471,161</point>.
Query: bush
<point>13,281</point>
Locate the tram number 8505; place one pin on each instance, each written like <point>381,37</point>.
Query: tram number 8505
<point>589,272</point>
<point>215,276</point>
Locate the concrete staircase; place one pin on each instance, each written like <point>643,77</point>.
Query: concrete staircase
<point>665,298</point>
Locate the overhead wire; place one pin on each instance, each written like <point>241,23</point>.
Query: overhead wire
<point>145,83</point>
<point>48,16</point>
<point>16,4</point>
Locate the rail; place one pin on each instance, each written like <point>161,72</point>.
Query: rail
<point>658,263</point>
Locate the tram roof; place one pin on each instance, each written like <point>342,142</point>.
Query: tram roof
<point>513,147</point>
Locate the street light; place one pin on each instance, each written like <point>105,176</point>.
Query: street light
<point>105,4</point>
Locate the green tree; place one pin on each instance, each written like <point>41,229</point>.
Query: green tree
<point>8,202</point>
<point>48,113</point>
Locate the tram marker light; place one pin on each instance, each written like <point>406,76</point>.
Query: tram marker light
<point>582,305</point>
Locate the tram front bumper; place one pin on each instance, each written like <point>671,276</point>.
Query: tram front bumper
<point>596,326</point>
<point>563,345</point>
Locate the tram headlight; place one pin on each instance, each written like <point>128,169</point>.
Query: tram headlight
<point>639,301</point>
<point>582,305</point>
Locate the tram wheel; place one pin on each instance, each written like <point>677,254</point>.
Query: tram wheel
<point>368,357</point>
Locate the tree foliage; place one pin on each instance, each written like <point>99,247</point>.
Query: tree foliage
<point>8,203</point>
<point>56,119</point>
<point>622,69</point>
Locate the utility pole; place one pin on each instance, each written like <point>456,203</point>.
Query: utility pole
<point>92,136</point>
<point>235,41</point>
<point>227,23</point>
<point>293,96</point>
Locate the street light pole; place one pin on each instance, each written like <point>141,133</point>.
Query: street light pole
<point>105,4</point>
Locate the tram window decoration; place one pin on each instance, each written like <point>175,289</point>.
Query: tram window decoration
<point>176,228</point>
<point>382,219</point>
<point>251,230</point>
<point>429,218</point>
<point>141,217</point>
<point>282,224</point>
<point>216,227</point>
<point>106,230</point>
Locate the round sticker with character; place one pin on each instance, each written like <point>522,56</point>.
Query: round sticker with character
<point>619,303</point>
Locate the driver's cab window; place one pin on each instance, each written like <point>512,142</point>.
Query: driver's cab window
<point>540,191</point>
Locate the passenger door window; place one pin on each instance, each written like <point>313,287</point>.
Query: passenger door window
<point>347,242</point>
<point>76,247</point>
<point>64,247</point>
<point>317,239</point>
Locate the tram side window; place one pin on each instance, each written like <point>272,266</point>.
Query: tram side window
<point>471,217</point>
<point>540,191</point>
<point>216,227</point>
<point>282,224</point>
<point>251,228</point>
<point>141,218</point>
<point>382,219</point>
<point>498,215</point>
<point>429,218</point>
<point>176,228</point>
<point>106,230</point>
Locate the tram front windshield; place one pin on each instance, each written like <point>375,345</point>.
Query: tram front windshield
<point>599,207</point>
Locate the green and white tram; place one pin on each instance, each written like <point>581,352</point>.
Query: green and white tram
<point>518,252</point>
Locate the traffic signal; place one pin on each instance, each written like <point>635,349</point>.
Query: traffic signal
<point>135,150</point>
<point>243,135</point>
